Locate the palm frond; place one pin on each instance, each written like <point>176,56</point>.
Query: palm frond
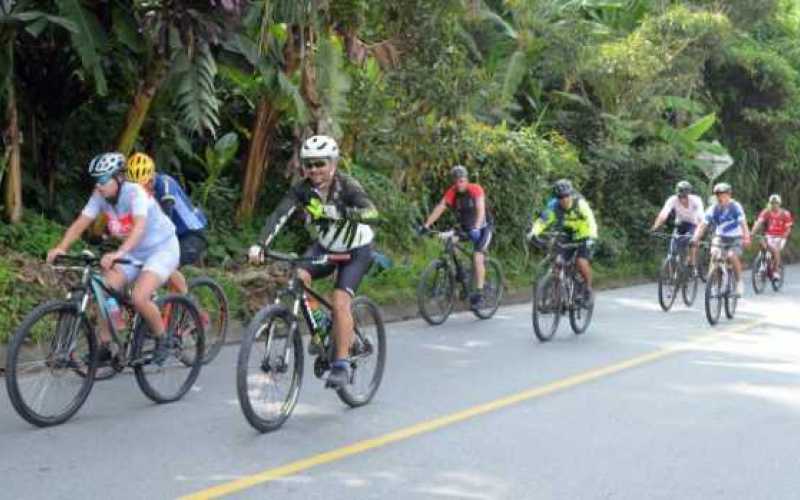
<point>89,40</point>
<point>195,94</point>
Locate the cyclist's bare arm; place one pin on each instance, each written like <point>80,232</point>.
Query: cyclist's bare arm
<point>698,233</point>
<point>437,212</point>
<point>480,206</point>
<point>72,234</point>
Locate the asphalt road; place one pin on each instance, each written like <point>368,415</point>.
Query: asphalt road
<point>645,405</point>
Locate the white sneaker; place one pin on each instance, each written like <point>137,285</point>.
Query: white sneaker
<point>739,288</point>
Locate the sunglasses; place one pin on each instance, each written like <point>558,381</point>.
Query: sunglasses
<point>311,165</point>
<point>103,180</point>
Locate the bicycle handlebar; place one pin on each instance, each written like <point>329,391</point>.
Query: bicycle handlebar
<point>293,258</point>
<point>86,258</point>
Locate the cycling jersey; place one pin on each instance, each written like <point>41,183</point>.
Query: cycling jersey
<point>178,205</point>
<point>133,201</point>
<point>577,221</point>
<point>776,223</point>
<point>692,214</point>
<point>465,204</point>
<point>346,232</point>
<point>727,219</point>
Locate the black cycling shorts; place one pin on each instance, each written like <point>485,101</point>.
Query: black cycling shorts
<point>193,246</point>
<point>348,274</point>
<point>584,252</point>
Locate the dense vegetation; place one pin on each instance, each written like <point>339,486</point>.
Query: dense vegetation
<point>623,96</point>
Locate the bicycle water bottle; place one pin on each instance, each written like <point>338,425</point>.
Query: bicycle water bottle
<point>323,322</point>
<point>115,313</point>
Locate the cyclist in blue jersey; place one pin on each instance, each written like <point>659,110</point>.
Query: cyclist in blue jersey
<point>190,222</point>
<point>730,223</point>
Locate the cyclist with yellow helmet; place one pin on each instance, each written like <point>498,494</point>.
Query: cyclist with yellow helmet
<point>190,222</point>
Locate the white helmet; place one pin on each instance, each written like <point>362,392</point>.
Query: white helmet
<point>775,198</point>
<point>106,164</point>
<point>319,146</point>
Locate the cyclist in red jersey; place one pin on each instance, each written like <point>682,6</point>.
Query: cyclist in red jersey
<point>469,202</point>
<point>778,225</point>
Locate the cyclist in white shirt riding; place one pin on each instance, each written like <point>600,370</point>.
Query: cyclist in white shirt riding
<point>689,213</point>
<point>148,238</point>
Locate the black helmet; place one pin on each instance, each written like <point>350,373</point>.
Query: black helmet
<point>562,188</point>
<point>722,187</point>
<point>459,172</point>
<point>683,187</point>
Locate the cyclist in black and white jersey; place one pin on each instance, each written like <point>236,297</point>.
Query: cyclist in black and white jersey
<point>338,213</point>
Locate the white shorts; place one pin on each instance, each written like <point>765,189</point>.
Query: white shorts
<point>163,260</point>
<point>776,242</point>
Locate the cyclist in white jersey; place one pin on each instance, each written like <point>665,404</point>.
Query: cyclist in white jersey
<point>148,238</point>
<point>689,212</point>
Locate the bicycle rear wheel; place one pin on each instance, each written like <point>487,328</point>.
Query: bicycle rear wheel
<point>667,284</point>
<point>546,307</point>
<point>713,297</point>
<point>367,354</point>
<point>171,379</point>
<point>48,352</point>
<point>731,300</point>
<point>492,292</point>
<point>758,273</point>
<point>436,292</point>
<point>213,305</point>
<point>269,370</point>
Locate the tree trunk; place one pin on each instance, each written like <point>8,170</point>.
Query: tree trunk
<point>13,175</point>
<point>263,131</point>
<point>138,111</point>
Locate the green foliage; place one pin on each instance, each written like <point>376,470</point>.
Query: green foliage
<point>35,235</point>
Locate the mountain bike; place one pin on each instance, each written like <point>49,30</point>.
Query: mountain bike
<point>764,269</point>
<point>269,369</point>
<point>52,358</point>
<point>721,284</point>
<point>560,291</point>
<point>675,273</point>
<point>437,288</point>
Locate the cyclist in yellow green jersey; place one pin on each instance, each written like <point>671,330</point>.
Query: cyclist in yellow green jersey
<point>569,212</point>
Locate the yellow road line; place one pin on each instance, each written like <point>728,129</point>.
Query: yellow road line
<point>453,418</point>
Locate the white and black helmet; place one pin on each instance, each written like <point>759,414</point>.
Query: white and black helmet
<point>775,198</point>
<point>106,164</point>
<point>459,172</point>
<point>722,187</point>
<point>319,147</point>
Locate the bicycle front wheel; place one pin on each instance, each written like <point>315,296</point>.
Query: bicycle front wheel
<point>213,305</point>
<point>714,296</point>
<point>167,380</point>
<point>269,370</point>
<point>731,300</point>
<point>689,288</point>
<point>436,292</point>
<point>51,364</point>
<point>667,284</point>
<point>580,314</point>
<point>546,307</point>
<point>758,273</point>
<point>367,354</point>
<point>492,292</point>
<point>777,284</point>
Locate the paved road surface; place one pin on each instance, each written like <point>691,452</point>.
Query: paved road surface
<point>645,405</point>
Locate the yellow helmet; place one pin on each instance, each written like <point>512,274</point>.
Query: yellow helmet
<point>141,168</point>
